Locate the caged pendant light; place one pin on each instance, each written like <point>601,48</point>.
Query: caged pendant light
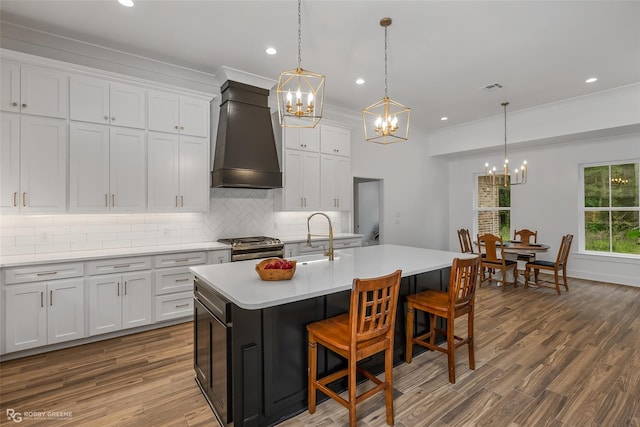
<point>300,93</point>
<point>505,179</point>
<point>386,121</point>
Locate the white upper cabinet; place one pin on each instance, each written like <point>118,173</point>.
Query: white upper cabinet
<point>100,101</point>
<point>173,113</point>
<point>335,140</point>
<point>9,162</point>
<point>43,165</point>
<point>107,169</point>
<point>306,139</point>
<point>178,171</point>
<point>33,90</point>
<point>301,181</point>
<point>335,175</point>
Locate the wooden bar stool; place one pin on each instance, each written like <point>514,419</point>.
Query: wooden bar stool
<point>366,330</point>
<point>449,305</point>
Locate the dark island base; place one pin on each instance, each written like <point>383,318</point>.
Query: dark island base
<point>267,353</point>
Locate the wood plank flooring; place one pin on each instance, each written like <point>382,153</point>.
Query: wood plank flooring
<point>541,359</point>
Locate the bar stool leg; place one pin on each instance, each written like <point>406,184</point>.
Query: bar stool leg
<point>352,391</point>
<point>451,351</point>
<point>388,368</point>
<point>313,358</point>
<point>409,332</point>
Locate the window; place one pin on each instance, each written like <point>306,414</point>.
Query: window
<point>493,208</point>
<point>611,208</point>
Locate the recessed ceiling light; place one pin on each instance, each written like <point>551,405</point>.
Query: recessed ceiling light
<point>444,118</point>
<point>128,3</point>
<point>271,51</point>
<point>360,81</point>
<point>591,80</point>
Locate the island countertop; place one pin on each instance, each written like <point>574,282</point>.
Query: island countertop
<point>316,276</point>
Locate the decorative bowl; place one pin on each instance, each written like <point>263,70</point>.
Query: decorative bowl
<point>275,273</point>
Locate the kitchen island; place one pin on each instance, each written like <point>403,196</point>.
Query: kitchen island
<point>250,338</point>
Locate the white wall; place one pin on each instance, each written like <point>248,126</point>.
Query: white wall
<point>414,189</point>
<point>549,201</point>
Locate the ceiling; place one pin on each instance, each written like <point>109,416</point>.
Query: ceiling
<point>441,53</point>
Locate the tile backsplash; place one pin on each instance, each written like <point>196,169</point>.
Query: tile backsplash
<point>232,213</point>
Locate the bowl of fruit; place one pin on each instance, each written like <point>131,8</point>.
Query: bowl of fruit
<point>276,269</point>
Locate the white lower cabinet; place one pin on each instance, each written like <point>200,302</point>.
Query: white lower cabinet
<point>119,301</point>
<point>44,313</point>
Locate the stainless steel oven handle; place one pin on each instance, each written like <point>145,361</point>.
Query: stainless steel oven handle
<point>258,255</point>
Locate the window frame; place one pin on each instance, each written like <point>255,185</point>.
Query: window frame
<point>477,209</point>
<point>582,209</point>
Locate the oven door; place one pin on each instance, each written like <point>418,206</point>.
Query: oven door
<point>258,254</point>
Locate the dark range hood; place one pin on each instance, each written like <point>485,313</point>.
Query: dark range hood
<point>245,155</point>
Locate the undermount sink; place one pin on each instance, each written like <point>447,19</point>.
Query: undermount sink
<point>313,258</point>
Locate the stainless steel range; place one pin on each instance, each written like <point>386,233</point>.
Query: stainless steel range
<point>243,248</point>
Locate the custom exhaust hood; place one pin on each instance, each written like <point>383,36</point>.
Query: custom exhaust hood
<point>245,153</point>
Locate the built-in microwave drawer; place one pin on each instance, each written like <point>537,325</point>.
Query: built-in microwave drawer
<point>174,306</point>
<point>170,280</point>
<point>38,273</point>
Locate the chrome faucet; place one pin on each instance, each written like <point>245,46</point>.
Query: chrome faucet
<point>327,252</point>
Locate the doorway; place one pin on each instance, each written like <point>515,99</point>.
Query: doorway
<point>367,209</point>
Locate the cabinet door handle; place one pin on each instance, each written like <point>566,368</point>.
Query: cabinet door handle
<point>181,201</point>
<point>122,265</point>
<point>176,126</point>
<point>183,280</point>
<point>106,200</point>
<point>176,200</point>
<point>181,260</point>
<point>113,118</point>
<point>220,260</point>
<point>24,105</point>
<point>15,195</point>
<point>106,117</point>
<point>51,297</point>
<point>113,200</point>
<point>125,287</point>
<point>24,199</point>
<point>15,104</point>
<point>182,305</point>
<point>46,273</point>
<point>118,292</point>
<point>181,127</point>
<point>41,298</point>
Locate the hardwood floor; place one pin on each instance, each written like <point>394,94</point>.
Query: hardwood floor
<point>541,359</point>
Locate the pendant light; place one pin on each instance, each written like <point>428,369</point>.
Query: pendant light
<point>505,179</point>
<point>300,93</point>
<point>386,121</point>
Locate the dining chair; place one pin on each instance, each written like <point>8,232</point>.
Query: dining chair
<point>458,301</point>
<point>526,236</point>
<point>466,246</point>
<point>367,329</point>
<point>559,264</point>
<point>491,262</point>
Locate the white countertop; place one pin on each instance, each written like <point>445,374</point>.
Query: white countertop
<point>239,282</point>
<point>47,258</point>
<point>300,239</point>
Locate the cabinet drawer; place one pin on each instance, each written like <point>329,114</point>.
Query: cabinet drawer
<point>347,243</point>
<point>118,265</point>
<point>43,272</point>
<point>174,260</point>
<point>219,257</point>
<point>174,306</point>
<point>170,280</point>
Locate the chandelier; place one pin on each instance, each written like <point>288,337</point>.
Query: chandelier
<point>386,121</point>
<point>505,179</point>
<point>300,93</point>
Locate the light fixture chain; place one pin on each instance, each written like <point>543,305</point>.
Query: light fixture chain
<point>385,64</point>
<point>505,130</point>
<point>299,31</point>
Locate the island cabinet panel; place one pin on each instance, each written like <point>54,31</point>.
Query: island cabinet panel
<point>285,344</point>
